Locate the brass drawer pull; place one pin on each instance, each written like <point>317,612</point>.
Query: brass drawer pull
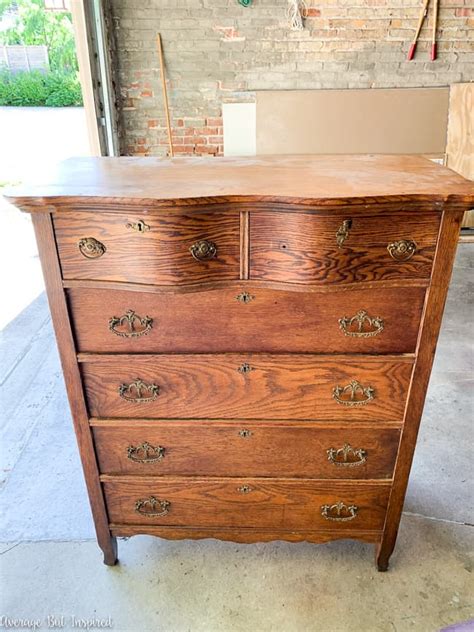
<point>203,250</point>
<point>91,248</point>
<point>350,395</point>
<point>244,368</point>
<point>245,433</point>
<point>244,489</point>
<point>244,297</point>
<point>139,226</point>
<point>361,325</point>
<point>339,512</point>
<point>138,392</point>
<point>129,321</point>
<point>402,250</point>
<point>145,453</point>
<point>343,232</point>
<point>347,456</point>
<point>149,506</point>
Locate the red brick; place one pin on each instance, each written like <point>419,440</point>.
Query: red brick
<point>214,122</point>
<point>464,12</point>
<point>146,93</point>
<point>313,13</point>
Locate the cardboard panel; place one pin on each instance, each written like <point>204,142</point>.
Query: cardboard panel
<point>394,121</point>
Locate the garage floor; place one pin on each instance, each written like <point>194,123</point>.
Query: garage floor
<point>51,566</point>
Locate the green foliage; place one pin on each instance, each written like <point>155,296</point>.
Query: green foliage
<point>36,26</point>
<point>53,89</point>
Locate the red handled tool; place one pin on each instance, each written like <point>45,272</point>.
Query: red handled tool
<point>423,14</point>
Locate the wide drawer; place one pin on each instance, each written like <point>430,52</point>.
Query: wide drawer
<point>247,318</point>
<point>247,502</point>
<point>286,449</point>
<point>247,386</point>
<point>174,249</point>
<point>317,249</point>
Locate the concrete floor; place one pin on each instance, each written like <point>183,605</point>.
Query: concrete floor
<point>50,565</point>
<point>31,139</point>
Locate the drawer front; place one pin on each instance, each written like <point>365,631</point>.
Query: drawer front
<point>352,321</point>
<point>247,386</point>
<point>174,249</point>
<point>315,249</point>
<point>253,449</point>
<point>277,503</point>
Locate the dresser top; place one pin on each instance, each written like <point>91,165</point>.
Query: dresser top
<point>305,178</point>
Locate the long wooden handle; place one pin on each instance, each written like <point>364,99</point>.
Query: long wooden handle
<point>435,25</point>
<point>423,13</point>
<point>165,93</point>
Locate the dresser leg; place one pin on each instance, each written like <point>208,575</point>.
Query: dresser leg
<point>382,556</point>
<point>109,549</point>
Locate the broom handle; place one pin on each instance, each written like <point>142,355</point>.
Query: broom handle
<point>423,13</point>
<point>435,24</point>
<point>165,92</point>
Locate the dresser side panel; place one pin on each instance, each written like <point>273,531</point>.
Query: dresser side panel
<point>430,327</point>
<point>52,275</point>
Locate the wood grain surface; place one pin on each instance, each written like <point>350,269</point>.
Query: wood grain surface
<point>276,386</point>
<point>327,178</point>
<point>286,449</point>
<point>160,255</point>
<point>302,248</point>
<point>245,535</point>
<point>273,321</point>
<point>276,503</point>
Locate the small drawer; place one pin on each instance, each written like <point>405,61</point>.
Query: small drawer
<point>316,249</point>
<point>179,448</point>
<point>247,318</point>
<point>247,502</point>
<point>247,386</point>
<point>174,249</point>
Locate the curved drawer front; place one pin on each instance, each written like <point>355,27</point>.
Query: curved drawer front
<point>285,504</point>
<point>248,449</point>
<point>247,319</point>
<point>247,386</point>
<point>174,249</point>
<point>316,249</point>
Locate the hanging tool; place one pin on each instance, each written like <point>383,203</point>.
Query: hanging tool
<point>423,14</point>
<point>165,93</point>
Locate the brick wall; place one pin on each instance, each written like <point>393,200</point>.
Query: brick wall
<point>217,51</point>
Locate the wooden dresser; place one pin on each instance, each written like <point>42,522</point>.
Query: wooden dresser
<point>247,343</point>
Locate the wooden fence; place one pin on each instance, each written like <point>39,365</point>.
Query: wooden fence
<point>24,58</point>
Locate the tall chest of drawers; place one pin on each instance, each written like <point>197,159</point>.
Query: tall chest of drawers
<point>247,343</point>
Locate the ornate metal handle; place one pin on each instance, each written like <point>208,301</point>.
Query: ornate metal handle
<point>138,392</point>
<point>244,433</point>
<point>244,297</point>
<point>145,453</point>
<point>343,232</point>
<point>350,395</point>
<point>339,512</point>
<point>91,248</point>
<point>138,226</point>
<point>347,456</point>
<point>244,489</point>
<point>203,250</point>
<point>128,324</point>
<point>361,325</point>
<point>149,506</point>
<point>402,250</point>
